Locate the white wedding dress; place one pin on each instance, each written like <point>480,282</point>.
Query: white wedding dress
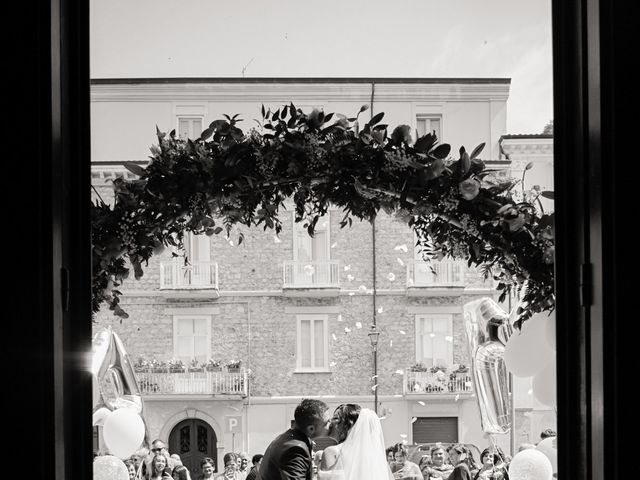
<point>362,455</point>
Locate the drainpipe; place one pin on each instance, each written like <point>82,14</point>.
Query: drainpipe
<point>374,295</point>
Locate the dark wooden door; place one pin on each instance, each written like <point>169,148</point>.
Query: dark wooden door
<point>435,429</point>
<point>193,440</point>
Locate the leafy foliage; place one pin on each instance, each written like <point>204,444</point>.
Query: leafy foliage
<point>227,177</point>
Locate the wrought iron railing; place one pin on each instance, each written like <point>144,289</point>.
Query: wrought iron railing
<point>197,275</point>
<point>445,273</point>
<point>437,382</point>
<point>310,274</point>
<point>200,382</point>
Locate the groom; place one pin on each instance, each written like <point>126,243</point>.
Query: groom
<point>288,457</point>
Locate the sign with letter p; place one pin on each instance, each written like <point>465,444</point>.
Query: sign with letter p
<point>233,423</point>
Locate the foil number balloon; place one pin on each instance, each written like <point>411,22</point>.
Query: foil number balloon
<point>117,402</point>
<point>488,329</point>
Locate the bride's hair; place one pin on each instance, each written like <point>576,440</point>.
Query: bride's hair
<point>347,414</point>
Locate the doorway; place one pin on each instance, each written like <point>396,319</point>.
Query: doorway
<point>193,440</point>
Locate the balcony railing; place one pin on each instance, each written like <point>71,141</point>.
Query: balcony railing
<point>322,274</point>
<point>446,273</point>
<point>197,275</point>
<point>193,383</point>
<point>427,382</point>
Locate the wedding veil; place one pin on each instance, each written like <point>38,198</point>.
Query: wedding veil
<point>363,452</point>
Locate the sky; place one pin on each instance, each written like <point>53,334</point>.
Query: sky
<point>334,38</point>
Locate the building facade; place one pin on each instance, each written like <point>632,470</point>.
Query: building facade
<point>289,316</point>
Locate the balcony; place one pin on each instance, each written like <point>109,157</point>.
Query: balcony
<point>437,383</point>
<point>320,276</point>
<point>193,383</point>
<point>176,275</point>
<point>445,274</point>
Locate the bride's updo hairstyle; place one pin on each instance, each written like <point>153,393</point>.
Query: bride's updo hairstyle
<point>346,414</point>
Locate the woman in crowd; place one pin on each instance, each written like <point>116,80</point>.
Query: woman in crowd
<point>159,468</point>
<point>207,466</point>
<point>437,468</point>
<point>407,470</point>
<point>464,466</point>
<point>180,472</point>
<point>489,471</point>
<point>131,468</point>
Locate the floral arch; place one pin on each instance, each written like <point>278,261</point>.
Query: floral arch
<point>458,207</point>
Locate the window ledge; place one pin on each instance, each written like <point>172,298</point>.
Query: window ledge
<point>319,370</point>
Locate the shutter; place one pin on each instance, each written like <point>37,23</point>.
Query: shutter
<point>435,429</point>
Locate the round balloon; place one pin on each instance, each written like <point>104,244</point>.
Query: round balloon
<point>526,353</point>
<point>123,432</point>
<point>549,446</point>
<point>108,467</point>
<point>544,383</point>
<point>530,464</point>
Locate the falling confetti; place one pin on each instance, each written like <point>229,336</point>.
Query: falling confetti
<point>529,392</point>
<point>374,376</point>
<point>350,277</point>
<point>391,343</point>
<point>400,262</point>
<point>403,332</point>
<point>374,388</point>
<point>231,242</point>
<point>276,239</point>
<point>403,435</point>
<point>340,317</point>
<point>421,403</point>
<point>334,244</point>
<point>432,335</point>
<point>347,268</point>
<point>309,270</point>
<point>467,384</point>
<point>358,325</point>
<point>413,419</point>
<point>351,294</point>
<point>449,338</point>
<point>380,310</point>
<point>400,372</point>
<point>347,329</point>
<point>457,397</point>
<point>402,247</point>
<point>362,288</point>
<point>410,281</point>
<point>333,335</point>
<point>391,277</point>
<point>370,292</point>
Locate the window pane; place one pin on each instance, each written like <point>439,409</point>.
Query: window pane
<point>184,348</point>
<point>183,128</point>
<point>441,325</point>
<point>305,343</point>
<point>318,338</point>
<point>185,326</point>
<point>197,127</point>
<point>200,348</point>
<point>200,326</point>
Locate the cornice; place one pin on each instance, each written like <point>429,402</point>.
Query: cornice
<point>298,92</point>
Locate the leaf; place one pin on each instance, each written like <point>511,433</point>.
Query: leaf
<point>441,151</point>
<point>264,114</point>
<point>218,230</point>
<point>465,161</point>
<point>206,134</point>
<point>328,117</point>
<point>275,116</point>
<point>547,194</point>
<point>529,166</point>
<point>477,150</point>
<point>424,144</point>
<point>134,168</point>
<point>363,108</point>
<point>375,119</point>
<point>283,115</point>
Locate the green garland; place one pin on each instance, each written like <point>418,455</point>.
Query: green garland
<point>228,177</point>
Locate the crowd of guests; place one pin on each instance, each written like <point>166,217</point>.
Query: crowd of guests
<point>455,463</point>
<point>460,464</point>
<point>158,464</point>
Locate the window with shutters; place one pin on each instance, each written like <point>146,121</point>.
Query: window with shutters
<point>313,344</point>
<point>434,339</point>
<point>192,338</point>
<point>312,265</point>
<point>429,124</point>
<point>189,127</point>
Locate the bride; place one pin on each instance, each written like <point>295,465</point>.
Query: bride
<point>360,453</point>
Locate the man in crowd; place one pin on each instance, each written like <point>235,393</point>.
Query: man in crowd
<point>438,468</point>
<point>255,460</point>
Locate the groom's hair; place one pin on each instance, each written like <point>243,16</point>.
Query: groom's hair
<point>309,412</point>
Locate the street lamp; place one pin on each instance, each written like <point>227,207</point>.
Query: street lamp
<point>374,333</point>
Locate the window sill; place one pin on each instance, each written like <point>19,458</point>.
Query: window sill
<point>319,370</point>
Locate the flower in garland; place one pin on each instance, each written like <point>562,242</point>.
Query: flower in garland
<point>469,188</point>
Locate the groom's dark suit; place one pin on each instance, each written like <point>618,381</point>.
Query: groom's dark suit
<point>288,457</point>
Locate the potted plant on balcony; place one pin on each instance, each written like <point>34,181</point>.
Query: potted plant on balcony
<point>213,365</point>
<point>142,365</point>
<point>194,366</point>
<point>176,365</point>
<point>157,366</point>
<point>418,367</point>
<point>233,366</point>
